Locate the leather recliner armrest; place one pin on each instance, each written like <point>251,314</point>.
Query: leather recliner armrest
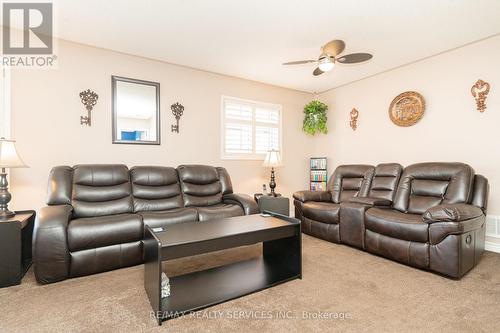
<point>439,230</point>
<point>371,201</point>
<point>244,200</point>
<point>304,196</point>
<point>50,245</point>
<point>452,213</point>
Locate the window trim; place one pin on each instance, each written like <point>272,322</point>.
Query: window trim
<point>254,103</point>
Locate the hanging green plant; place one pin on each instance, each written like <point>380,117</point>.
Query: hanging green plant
<point>315,118</point>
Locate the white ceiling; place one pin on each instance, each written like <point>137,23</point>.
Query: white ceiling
<point>250,39</point>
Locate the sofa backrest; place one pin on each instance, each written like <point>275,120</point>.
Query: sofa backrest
<point>225,180</point>
<point>107,189</point>
<point>155,188</point>
<point>350,180</point>
<point>385,181</point>
<point>480,192</point>
<point>425,185</point>
<point>203,185</point>
<point>101,189</point>
<point>60,185</point>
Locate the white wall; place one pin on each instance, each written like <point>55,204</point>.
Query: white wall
<point>5,112</point>
<point>47,110</point>
<point>451,129</point>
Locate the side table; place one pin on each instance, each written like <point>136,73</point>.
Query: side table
<point>16,236</point>
<point>277,204</point>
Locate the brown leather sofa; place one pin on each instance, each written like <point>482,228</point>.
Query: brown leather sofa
<point>427,215</point>
<point>96,214</point>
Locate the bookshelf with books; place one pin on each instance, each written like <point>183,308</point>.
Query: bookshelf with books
<point>318,174</point>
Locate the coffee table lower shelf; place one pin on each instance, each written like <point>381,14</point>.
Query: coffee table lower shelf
<point>202,289</point>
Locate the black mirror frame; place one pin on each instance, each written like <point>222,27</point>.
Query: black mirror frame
<point>115,140</point>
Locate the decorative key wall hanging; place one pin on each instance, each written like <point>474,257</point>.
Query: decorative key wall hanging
<point>177,111</point>
<point>89,100</point>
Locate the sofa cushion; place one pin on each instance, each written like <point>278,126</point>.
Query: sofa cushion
<point>349,181</point>
<point>92,232</point>
<point>396,224</point>
<point>167,217</point>
<point>200,185</point>
<point>326,212</point>
<point>100,190</point>
<point>219,211</point>
<point>425,185</point>
<point>155,188</point>
<point>385,181</point>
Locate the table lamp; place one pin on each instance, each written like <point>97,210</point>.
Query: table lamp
<point>273,159</point>
<point>8,159</point>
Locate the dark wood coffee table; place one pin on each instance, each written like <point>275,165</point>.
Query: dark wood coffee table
<point>281,261</point>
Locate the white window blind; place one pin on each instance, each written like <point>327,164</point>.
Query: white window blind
<point>249,128</point>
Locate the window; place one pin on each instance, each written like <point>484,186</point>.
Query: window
<point>249,128</point>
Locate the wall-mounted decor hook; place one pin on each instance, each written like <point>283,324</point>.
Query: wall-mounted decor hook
<point>354,119</point>
<point>480,91</point>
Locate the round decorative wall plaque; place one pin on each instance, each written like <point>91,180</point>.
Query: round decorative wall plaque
<point>407,108</point>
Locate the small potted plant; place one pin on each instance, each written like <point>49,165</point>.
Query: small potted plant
<point>315,118</point>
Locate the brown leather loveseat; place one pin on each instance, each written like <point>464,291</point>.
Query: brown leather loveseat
<point>427,215</point>
<point>96,214</point>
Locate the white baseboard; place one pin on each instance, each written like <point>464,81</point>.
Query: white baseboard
<point>492,232</point>
<point>493,247</point>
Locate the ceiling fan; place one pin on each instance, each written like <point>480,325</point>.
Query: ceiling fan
<point>330,55</point>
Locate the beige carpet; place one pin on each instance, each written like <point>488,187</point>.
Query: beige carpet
<point>374,294</point>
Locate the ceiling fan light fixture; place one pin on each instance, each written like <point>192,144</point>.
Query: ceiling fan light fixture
<point>330,55</point>
<point>326,64</point>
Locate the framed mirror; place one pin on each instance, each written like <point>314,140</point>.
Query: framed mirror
<point>136,111</point>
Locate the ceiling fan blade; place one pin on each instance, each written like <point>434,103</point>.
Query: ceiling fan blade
<point>317,71</point>
<point>334,47</point>
<point>300,62</point>
<point>354,58</point>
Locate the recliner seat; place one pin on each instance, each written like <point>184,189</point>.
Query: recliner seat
<point>319,211</point>
<point>429,215</point>
<point>393,223</point>
<point>96,214</point>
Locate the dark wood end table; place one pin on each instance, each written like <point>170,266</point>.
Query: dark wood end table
<point>16,236</point>
<point>257,196</point>
<point>276,204</point>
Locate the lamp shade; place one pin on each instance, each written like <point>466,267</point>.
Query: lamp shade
<point>273,159</point>
<point>8,155</point>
